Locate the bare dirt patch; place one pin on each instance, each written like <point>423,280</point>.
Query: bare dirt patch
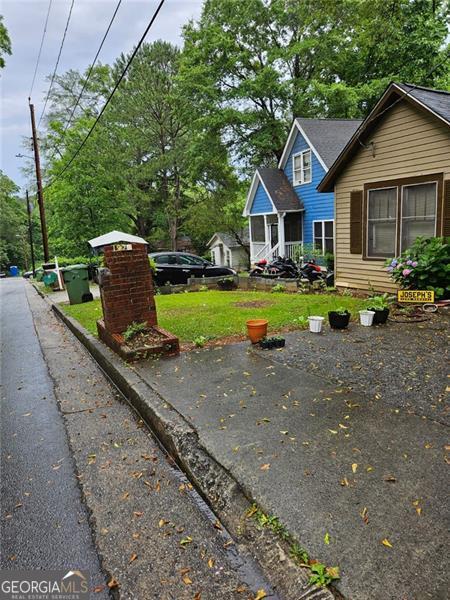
<point>253,304</point>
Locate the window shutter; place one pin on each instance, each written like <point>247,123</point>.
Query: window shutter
<point>446,211</point>
<point>356,225</point>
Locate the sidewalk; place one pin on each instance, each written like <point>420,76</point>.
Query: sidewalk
<point>325,461</point>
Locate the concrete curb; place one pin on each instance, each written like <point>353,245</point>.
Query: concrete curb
<point>212,480</point>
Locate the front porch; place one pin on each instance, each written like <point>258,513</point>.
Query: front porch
<point>278,234</point>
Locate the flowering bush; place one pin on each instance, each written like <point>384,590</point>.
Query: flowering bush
<point>424,266</point>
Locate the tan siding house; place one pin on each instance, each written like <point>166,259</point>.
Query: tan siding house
<point>391,184</point>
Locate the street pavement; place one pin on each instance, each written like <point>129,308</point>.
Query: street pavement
<point>156,537</point>
<point>44,522</point>
<point>359,482</point>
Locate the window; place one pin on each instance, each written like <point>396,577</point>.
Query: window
<point>166,259</point>
<point>397,215</point>
<point>323,232</point>
<point>381,222</point>
<point>228,259</point>
<point>257,229</point>
<point>301,167</point>
<point>188,259</point>
<point>293,227</point>
<point>418,213</point>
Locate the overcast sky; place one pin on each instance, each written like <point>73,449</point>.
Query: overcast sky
<point>25,19</point>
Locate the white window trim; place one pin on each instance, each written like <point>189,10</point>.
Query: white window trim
<point>323,221</point>
<point>302,181</point>
<point>389,187</point>
<point>401,209</point>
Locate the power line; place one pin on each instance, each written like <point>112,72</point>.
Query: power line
<point>91,68</point>
<point>57,62</point>
<point>124,72</point>
<point>40,47</point>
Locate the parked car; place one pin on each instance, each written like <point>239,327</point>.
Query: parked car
<point>28,274</point>
<point>177,267</point>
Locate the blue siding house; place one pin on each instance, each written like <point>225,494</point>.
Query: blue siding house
<point>284,208</point>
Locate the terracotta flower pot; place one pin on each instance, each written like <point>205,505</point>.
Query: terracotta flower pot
<point>257,329</point>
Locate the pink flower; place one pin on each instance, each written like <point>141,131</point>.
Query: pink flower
<point>406,272</point>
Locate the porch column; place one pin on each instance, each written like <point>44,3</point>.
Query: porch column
<point>282,249</point>
<point>266,231</point>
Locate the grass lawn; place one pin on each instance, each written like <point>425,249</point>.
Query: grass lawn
<point>216,314</point>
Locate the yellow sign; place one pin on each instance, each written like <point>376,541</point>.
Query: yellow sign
<point>415,296</point>
<point>121,247</point>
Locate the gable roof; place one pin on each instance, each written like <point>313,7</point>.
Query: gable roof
<point>325,137</point>
<point>230,240</point>
<point>434,102</point>
<point>278,188</point>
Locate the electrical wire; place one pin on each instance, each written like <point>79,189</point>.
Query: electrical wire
<point>40,47</point>
<point>122,75</point>
<point>57,63</point>
<point>91,68</point>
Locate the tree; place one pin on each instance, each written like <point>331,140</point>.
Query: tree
<point>13,225</point>
<point>250,67</point>
<point>5,43</point>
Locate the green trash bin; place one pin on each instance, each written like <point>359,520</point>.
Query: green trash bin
<point>77,283</point>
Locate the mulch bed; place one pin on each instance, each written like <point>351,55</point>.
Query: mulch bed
<point>146,339</point>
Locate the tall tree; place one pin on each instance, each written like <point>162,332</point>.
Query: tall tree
<point>13,225</point>
<point>250,67</point>
<point>5,43</point>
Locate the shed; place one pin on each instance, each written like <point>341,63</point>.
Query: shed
<point>227,250</point>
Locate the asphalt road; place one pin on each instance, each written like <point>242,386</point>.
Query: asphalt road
<point>43,519</point>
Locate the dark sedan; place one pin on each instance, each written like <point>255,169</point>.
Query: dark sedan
<point>177,267</point>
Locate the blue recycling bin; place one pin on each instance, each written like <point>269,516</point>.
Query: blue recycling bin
<point>14,271</point>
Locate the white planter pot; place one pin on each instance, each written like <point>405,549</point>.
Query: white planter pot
<point>315,324</point>
<point>366,317</point>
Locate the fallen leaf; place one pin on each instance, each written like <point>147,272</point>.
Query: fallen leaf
<point>133,557</point>
<point>210,563</point>
<point>138,513</point>
<point>136,536</point>
<point>113,583</point>
<point>364,515</point>
<point>390,478</point>
<point>260,594</point>
<point>333,431</point>
<point>125,495</point>
<point>186,540</point>
<point>344,482</point>
<point>162,522</point>
<point>386,543</point>
<point>198,596</point>
<point>251,511</point>
<point>187,580</point>
<point>217,525</point>
<point>354,467</point>
<point>326,538</point>
<point>98,589</point>
<point>265,467</point>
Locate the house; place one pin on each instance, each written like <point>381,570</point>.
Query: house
<point>284,208</point>
<point>229,250</point>
<point>391,184</point>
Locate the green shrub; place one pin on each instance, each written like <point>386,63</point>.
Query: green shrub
<point>424,266</point>
<point>279,287</point>
<point>200,341</point>
<point>132,330</point>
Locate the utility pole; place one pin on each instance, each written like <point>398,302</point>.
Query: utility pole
<point>39,184</point>
<point>30,233</point>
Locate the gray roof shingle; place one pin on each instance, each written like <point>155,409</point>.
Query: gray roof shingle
<point>280,189</point>
<point>436,100</point>
<point>329,136</point>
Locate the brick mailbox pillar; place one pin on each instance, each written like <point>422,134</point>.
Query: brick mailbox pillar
<point>127,296</point>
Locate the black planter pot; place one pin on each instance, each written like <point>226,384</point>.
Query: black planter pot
<point>267,344</point>
<point>381,316</point>
<point>338,320</point>
<point>280,343</point>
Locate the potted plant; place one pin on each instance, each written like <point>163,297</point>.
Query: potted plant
<point>366,317</point>
<point>339,318</point>
<point>279,341</point>
<point>315,324</point>
<point>380,306</point>
<point>256,329</point>
<point>267,343</point>
<point>227,284</point>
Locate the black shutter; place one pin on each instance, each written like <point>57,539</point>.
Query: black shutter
<point>356,224</point>
<point>446,211</point>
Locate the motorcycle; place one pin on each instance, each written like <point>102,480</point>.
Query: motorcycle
<point>312,272</point>
<point>278,267</point>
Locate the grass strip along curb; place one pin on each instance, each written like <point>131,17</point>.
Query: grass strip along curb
<point>216,485</point>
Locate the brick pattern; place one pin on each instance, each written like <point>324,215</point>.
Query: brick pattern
<point>127,293</point>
